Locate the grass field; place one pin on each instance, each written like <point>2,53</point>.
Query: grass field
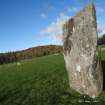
<point>40,81</point>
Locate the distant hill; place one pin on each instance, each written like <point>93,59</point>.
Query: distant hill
<point>35,52</point>
<point>29,53</point>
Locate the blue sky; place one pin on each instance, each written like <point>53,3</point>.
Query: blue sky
<point>29,23</point>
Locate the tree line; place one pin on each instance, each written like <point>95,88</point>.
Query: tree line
<point>29,53</point>
<point>101,40</point>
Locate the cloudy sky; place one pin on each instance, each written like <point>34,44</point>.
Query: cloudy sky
<point>29,23</point>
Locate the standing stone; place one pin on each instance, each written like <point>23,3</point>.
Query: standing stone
<point>81,53</point>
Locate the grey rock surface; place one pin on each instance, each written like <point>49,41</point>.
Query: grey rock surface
<point>81,53</point>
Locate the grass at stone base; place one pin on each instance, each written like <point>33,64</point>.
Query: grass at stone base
<point>40,81</point>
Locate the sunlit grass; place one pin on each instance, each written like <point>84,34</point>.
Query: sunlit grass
<point>39,81</point>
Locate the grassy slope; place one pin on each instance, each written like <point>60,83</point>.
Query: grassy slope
<point>40,81</point>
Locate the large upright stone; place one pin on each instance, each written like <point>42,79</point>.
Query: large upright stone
<point>81,53</point>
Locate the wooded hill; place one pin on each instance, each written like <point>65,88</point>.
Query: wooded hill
<point>29,53</point>
<point>35,52</point>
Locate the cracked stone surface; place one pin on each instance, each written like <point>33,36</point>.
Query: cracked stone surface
<point>81,53</point>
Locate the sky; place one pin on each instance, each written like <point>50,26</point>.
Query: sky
<point>29,23</point>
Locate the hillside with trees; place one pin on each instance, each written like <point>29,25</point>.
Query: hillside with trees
<point>29,53</point>
<point>35,52</point>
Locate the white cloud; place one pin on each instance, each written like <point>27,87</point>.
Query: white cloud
<point>54,30</point>
<point>101,29</point>
<point>73,9</point>
<point>101,32</point>
<point>43,16</point>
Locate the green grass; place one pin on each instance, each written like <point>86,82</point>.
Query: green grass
<point>39,81</point>
<point>103,54</point>
<point>103,46</point>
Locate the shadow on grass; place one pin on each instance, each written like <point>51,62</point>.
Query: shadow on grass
<point>103,66</point>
